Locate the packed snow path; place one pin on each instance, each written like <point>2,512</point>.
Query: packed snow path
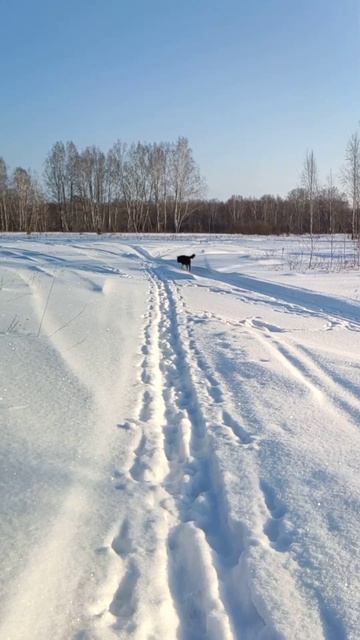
<point>180,452</point>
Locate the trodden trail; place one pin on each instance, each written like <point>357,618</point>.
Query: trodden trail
<point>178,467</point>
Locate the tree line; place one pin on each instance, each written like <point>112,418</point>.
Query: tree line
<point>158,187</point>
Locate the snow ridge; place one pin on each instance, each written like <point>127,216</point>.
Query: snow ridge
<point>173,465</point>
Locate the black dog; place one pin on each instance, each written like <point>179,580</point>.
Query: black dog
<point>186,261</point>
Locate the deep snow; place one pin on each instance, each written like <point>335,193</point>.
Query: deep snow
<point>179,452</point>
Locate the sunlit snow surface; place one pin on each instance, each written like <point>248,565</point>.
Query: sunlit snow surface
<point>179,452</point>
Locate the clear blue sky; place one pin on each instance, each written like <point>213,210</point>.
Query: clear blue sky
<point>252,83</point>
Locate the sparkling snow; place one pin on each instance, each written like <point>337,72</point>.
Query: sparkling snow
<point>179,452</point>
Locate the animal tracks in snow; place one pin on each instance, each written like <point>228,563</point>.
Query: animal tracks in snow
<point>328,388</point>
<point>179,451</point>
<point>174,470</point>
<point>187,532</point>
<point>245,438</point>
<point>279,534</point>
<point>302,365</point>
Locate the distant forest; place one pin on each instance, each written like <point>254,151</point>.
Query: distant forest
<point>158,188</point>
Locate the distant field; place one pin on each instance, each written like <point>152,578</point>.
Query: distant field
<point>179,451</point>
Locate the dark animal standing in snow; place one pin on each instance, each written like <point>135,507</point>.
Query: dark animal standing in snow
<point>185,261</point>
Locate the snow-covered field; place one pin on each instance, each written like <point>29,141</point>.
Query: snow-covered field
<point>179,452</point>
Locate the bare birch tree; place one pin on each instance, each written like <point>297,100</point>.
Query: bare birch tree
<point>185,182</point>
<point>158,187</point>
<point>55,180</point>
<point>309,180</point>
<point>92,187</point>
<point>72,168</point>
<point>159,165</point>
<point>331,193</point>
<point>350,176</point>
<point>4,186</point>
<point>28,200</point>
<point>23,192</point>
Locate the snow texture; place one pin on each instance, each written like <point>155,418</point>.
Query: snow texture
<point>179,451</point>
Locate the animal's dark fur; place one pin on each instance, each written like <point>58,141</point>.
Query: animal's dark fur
<point>185,261</point>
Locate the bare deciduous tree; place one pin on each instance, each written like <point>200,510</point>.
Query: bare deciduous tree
<point>92,187</point>
<point>351,179</point>
<point>331,193</point>
<point>185,182</point>
<point>4,209</point>
<point>28,201</point>
<point>55,178</point>
<point>158,187</point>
<point>159,169</point>
<point>23,192</point>
<point>309,180</point>
<point>72,168</point>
